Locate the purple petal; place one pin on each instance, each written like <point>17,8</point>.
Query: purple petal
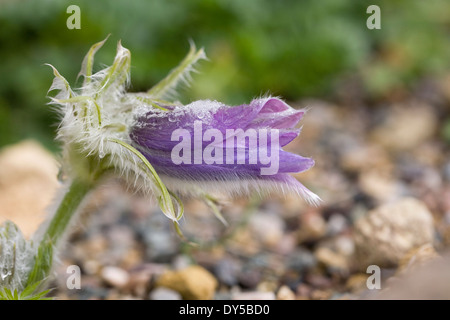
<point>153,132</point>
<point>287,136</point>
<point>273,105</point>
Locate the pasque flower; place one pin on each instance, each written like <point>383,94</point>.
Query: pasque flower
<point>158,145</point>
<point>236,136</point>
<point>105,127</point>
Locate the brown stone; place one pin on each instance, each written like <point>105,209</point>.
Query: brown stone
<point>193,283</point>
<point>28,184</point>
<point>387,233</point>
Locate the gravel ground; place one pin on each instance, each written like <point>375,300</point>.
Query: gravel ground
<point>383,172</point>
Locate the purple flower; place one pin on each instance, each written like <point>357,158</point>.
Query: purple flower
<point>166,149</point>
<point>210,146</point>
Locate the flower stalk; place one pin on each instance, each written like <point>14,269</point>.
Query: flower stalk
<point>57,227</point>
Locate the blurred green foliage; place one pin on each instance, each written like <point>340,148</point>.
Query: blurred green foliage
<point>289,48</point>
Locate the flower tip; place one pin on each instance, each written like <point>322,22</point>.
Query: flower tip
<point>313,199</point>
<point>310,197</point>
<point>122,51</point>
<point>200,53</point>
<point>55,71</point>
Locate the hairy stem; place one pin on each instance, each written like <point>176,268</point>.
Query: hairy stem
<point>55,230</point>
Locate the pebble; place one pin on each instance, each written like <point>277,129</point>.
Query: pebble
<point>331,259</point>
<point>227,271</point>
<point>357,282</point>
<point>336,224</point>
<point>93,248</point>
<point>363,158</point>
<point>162,293</point>
<point>91,267</point>
<point>181,261</point>
<point>318,280</point>
<point>303,291</point>
<point>115,276</point>
<point>292,204</point>
<point>382,187</point>
<point>28,184</point>
<point>140,281</point>
<point>268,228</point>
<point>312,226</point>
<point>121,245</point>
<point>321,294</point>
<point>193,282</point>
<point>160,244</point>
<point>406,127</point>
<point>287,244</point>
<point>388,232</point>
<point>345,245</point>
<point>244,236</point>
<point>253,295</point>
<point>249,277</point>
<point>417,257</point>
<point>267,286</point>
<point>301,260</point>
<point>285,293</point>
<point>120,237</point>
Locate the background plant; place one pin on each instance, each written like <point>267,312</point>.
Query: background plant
<point>290,48</point>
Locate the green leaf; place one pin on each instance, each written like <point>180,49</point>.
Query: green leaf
<point>165,201</point>
<point>88,62</point>
<point>28,291</point>
<point>212,203</point>
<point>26,294</point>
<point>164,88</point>
<point>43,262</point>
<point>7,294</point>
<point>40,296</point>
<point>118,73</point>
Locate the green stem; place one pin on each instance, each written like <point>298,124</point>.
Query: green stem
<point>57,227</point>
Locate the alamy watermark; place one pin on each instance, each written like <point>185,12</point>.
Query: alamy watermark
<point>373,282</point>
<point>233,147</point>
<point>374,20</point>
<point>74,20</point>
<point>74,279</point>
